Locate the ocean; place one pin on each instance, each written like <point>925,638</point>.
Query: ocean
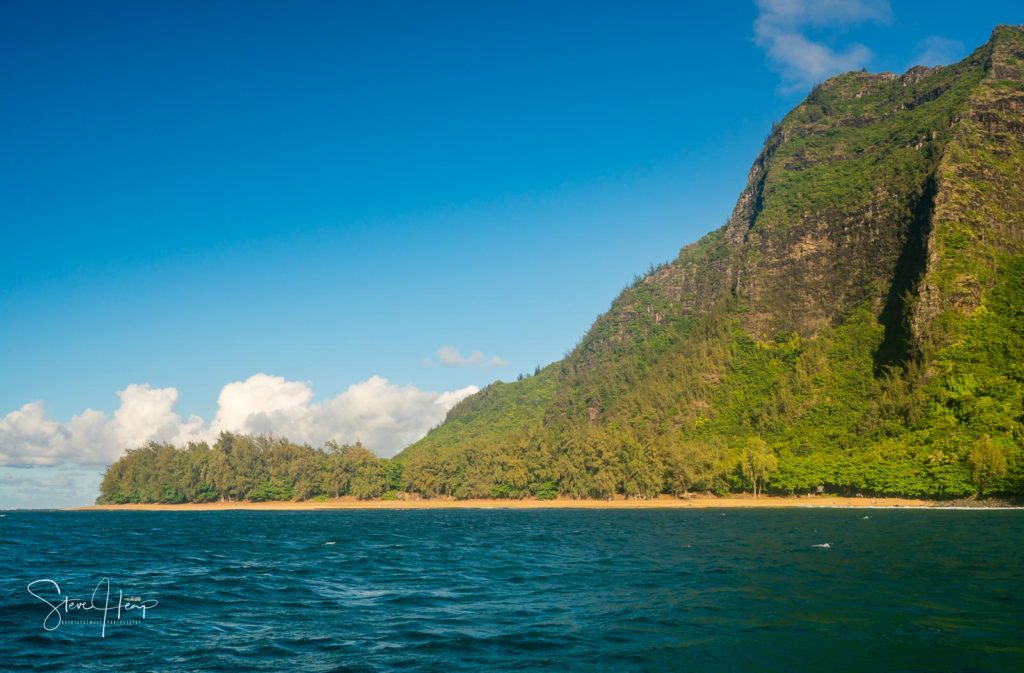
<point>513,590</point>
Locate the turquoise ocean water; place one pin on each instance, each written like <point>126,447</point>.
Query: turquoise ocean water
<point>505,590</point>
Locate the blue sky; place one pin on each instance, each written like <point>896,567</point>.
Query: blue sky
<point>326,193</point>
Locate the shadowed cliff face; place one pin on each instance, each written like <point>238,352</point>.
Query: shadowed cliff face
<point>835,208</point>
<point>878,217</point>
<point>839,204</point>
<point>900,344</point>
<point>978,215</point>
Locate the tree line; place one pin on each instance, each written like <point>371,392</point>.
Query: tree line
<point>600,465</point>
<point>247,467</point>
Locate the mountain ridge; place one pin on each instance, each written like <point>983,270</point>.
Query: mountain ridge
<point>869,208</point>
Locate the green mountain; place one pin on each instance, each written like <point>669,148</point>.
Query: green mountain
<point>858,323</point>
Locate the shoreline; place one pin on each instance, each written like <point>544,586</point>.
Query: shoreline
<point>664,502</point>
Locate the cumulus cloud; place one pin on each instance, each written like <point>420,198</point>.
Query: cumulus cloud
<point>780,29</point>
<point>384,415</point>
<point>449,356</point>
<point>29,438</point>
<point>935,50</point>
<point>260,399</point>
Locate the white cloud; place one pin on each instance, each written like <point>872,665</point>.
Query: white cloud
<point>260,396</point>
<point>449,356</point>
<point>936,50</point>
<point>384,415</point>
<point>780,30</point>
<point>147,414</point>
<point>29,438</point>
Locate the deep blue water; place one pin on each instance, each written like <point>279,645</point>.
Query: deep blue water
<point>501,590</point>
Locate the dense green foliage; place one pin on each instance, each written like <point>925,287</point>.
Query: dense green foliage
<point>247,467</point>
<point>856,327</point>
<point>790,414</point>
<point>859,316</point>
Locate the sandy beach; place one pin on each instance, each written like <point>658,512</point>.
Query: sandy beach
<point>694,502</point>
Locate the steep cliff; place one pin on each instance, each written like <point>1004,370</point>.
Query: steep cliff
<point>860,314</point>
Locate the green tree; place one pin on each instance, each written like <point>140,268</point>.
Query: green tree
<point>987,461</point>
<point>758,463</point>
<point>546,491</point>
<point>642,471</point>
<point>391,470</point>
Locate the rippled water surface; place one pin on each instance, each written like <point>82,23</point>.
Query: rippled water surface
<point>501,590</point>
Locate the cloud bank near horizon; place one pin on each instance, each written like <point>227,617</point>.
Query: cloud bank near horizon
<point>383,415</point>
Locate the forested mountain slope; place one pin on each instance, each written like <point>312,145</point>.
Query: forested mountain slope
<point>858,323</point>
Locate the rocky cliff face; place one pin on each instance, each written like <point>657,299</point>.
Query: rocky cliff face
<point>850,200</point>
<point>883,209</point>
<point>979,203</point>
